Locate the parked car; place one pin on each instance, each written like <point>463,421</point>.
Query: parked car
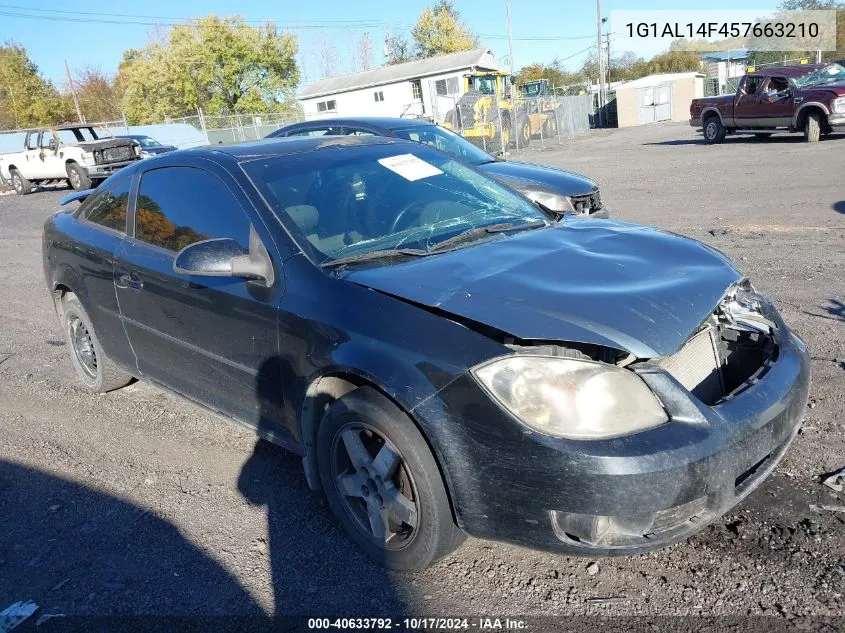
<point>150,146</point>
<point>808,99</point>
<point>82,154</point>
<point>400,320</point>
<point>559,190</point>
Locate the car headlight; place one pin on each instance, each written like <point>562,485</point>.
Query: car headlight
<point>137,149</point>
<point>145,154</point>
<point>838,105</point>
<point>574,399</point>
<point>554,201</point>
<point>87,157</point>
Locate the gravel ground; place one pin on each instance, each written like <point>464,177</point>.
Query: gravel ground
<point>136,502</point>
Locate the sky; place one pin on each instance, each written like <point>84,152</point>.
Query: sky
<point>96,32</point>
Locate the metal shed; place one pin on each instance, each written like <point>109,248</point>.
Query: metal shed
<point>656,98</point>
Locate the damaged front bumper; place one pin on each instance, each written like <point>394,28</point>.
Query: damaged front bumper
<point>624,495</point>
<point>105,170</point>
<point>837,122</point>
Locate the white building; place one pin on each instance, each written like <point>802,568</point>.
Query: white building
<point>424,88</point>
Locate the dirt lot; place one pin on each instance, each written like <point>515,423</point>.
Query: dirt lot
<point>135,502</point>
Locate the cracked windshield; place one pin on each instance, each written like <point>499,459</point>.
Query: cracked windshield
<point>383,197</point>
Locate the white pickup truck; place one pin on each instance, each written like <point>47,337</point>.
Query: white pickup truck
<point>82,154</point>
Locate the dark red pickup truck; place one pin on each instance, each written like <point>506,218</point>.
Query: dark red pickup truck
<point>808,99</point>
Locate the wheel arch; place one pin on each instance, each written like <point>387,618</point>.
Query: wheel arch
<point>66,281</point>
<point>706,113</point>
<point>333,384</point>
<point>806,109</point>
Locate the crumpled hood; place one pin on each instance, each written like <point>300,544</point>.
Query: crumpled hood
<point>520,175</point>
<point>104,143</point>
<point>604,282</point>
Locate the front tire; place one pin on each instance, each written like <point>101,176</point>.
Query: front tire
<point>383,484</point>
<point>21,185</point>
<point>96,370</point>
<point>714,131</point>
<point>812,128</point>
<point>77,177</point>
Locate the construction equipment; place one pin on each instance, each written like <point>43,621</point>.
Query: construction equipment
<point>489,116</point>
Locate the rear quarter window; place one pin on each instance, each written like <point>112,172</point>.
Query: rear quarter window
<point>108,206</point>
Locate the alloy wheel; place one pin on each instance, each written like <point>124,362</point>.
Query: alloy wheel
<point>711,131</point>
<point>74,178</point>
<point>17,183</point>
<point>83,347</point>
<point>375,486</point>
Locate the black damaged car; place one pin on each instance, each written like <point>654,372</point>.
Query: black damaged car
<point>400,320</point>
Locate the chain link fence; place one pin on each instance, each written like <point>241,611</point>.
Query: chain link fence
<point>505,123</point>
<point>497,123</point>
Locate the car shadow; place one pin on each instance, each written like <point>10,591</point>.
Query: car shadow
<point>81,552</point>
<point>774,139</point>
<point>836,309</point>
<point>316,569</point>
<point>839,207</point>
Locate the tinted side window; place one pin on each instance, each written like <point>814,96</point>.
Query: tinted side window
<point>752,84</point>
<point>178,206</point>
<point>108,207</point>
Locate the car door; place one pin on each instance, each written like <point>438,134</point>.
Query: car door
<point>209,338</point>
<point>31,161</point>
<point>748,108</point>
<point>776,102</point>
<point>49,163</point>
<point>93,240</point>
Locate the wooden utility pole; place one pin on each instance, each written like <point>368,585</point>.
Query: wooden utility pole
<point>73,92</point>
<point>600,59</point>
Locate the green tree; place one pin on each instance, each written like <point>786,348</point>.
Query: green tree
<point>98,97</point>
<point>26,98</point>
<point>439,30</point>
<point>222,65</point>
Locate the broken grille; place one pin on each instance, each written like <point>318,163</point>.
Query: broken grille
<point>719,361</point>
<point>589,203</point>
<point>114,154</point>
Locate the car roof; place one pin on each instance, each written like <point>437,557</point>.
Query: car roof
<point>290,145</point>
<point>388,123</point>
<point>71,126</point>
<point>787,71</point>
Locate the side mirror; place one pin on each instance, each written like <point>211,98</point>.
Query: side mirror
<point>224,257</point>
<point>53,145</point>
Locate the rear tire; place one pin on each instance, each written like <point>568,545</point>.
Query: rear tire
<point>96,370</point>
<point>77,177</point>
<point>21,185</point>
<point>812,127</point>
<point>360,484</point>
<point>523,133</point>
<point>714,131</point>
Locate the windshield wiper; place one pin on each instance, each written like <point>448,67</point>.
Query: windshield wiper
<point>381,254</point>
<point>481,231</point>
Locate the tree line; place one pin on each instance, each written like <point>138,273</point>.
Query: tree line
<point>226,66</point>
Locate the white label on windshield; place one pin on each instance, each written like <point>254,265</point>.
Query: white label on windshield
<point>409,166</point>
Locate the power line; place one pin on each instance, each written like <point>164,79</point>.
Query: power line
<point>103,20</point>
<point>143,20</point>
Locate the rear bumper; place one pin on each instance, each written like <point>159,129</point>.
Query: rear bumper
<point>622,496</point>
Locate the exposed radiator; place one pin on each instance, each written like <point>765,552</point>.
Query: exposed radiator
<point>697,367</point>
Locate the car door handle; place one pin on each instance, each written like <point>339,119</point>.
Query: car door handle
<point>130,281</point>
